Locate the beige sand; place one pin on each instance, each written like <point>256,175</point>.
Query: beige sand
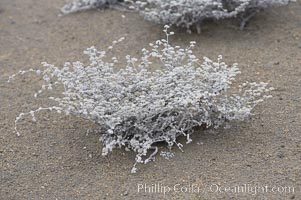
<point>55,159</point>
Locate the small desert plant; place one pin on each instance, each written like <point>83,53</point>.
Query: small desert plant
<point>183,13</point>
<point>157,98</point>
<point>80,5</point>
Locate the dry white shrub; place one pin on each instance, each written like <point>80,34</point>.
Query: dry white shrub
<point>81,5</point>
<point>157,98</point>
<point>183,13</point>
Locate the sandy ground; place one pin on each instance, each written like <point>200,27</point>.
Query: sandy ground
<point>55,158</point>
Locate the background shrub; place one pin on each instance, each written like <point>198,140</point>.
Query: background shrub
<point>183,13</point>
